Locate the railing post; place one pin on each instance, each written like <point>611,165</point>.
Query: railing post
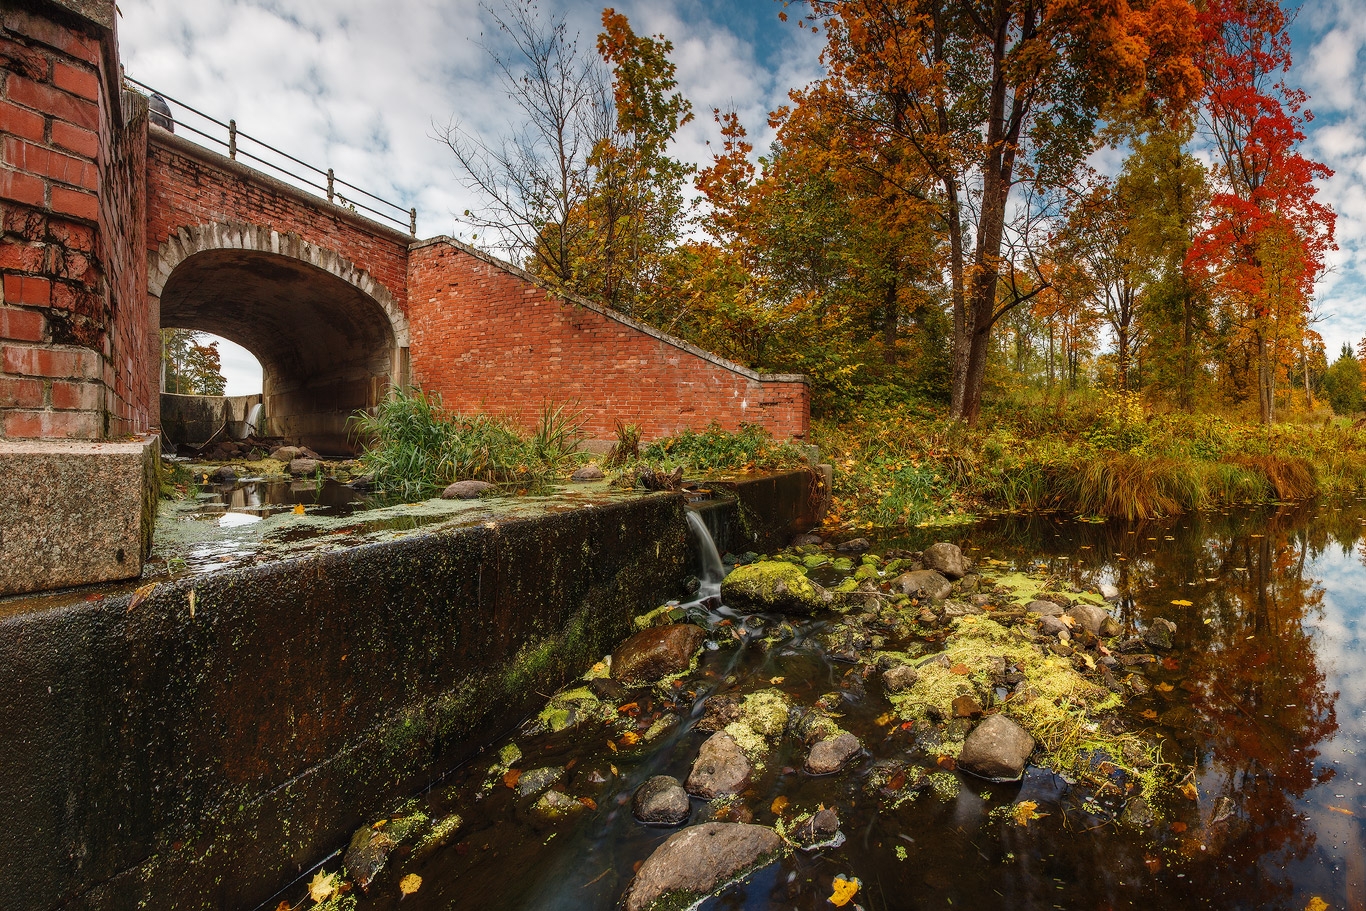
<point>232,139</point>
<point>331,179</point>
<point>412,221</point>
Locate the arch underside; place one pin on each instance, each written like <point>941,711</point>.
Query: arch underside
<point>327,349</point>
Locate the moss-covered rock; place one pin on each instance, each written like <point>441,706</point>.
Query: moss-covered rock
<point>772,586</point>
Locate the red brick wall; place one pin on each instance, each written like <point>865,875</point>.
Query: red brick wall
<point>73,335</point>
<point>488,339</point>
<point>187,189</point>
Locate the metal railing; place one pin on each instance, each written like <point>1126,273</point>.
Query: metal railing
<point>406,218</point>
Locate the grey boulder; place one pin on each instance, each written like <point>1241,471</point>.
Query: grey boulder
<point>660,801</point>
<point>698,861</point>
<point>721,769</point>
<point>466,490</point>
<point>829,756</point>
<point>923,583</point>
<point>997,750</point>
<point>947,559</point>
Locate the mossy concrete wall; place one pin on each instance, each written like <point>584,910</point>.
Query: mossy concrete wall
<point>761,512</point>
<point>198,744</point>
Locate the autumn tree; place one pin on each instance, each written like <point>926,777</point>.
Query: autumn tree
<point>985,96</point>
<point>190,367</point>
<point>1342,383</point>
<point>1268,235</point>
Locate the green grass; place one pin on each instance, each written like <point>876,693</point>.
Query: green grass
<point>414,446</point>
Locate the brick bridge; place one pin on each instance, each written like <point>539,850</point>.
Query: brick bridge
<point>114,228</point>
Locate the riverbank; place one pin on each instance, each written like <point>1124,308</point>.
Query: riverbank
<point>910,465</point>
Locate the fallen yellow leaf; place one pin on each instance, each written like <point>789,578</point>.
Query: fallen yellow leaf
<point>776,680</point>
<point>779,804</point>
<point>410,884</point>
<point>884,720</point>
<point>1149,714</point>
<point>630,738</point>
<point>844,891</point>
<point>323,886</point>
<point>1164,687</point>
<point>1181,602</point>
<point>299,509</point>
<point>1025,812</point>
<point>1316,904</point>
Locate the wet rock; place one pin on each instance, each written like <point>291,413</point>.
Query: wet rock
<point>923,583</point>
<point>302,466</point>
<point>772,585</point>
<point>947,559</point>
<point>966,707</point>
<point>721,768</point>
<point>661,801</point>
<point>1044,608</point>
<point>224,473</point>
<point>1089,617</point>
<point>286,453</point>
<point>698,861</point>
<point>899,679</point>
<point>854,546</point>
<point>657,652</point>
<point>589,472</point>
<point>537,780</point>
<point>1108,592</point>
<point>997,750</point>
<point>817,830</point>
<point>1137,814</point>
<point>366,855</point>
<point>800,540</point>
<point>557,805</point>
<point>829,756</point>
<point>718,711</point>
<point>1160,633</point>
<point>466,490</point>
<point>961,609</point>
<point>1052,626</point>
<point>608,690</point>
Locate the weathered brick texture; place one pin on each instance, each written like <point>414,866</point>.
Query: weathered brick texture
<point>78,356</point>
<point>488,338</point>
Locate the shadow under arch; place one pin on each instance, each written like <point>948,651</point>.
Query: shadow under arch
<point>329,338</point>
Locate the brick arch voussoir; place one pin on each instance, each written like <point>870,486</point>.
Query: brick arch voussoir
<point>189,240</point>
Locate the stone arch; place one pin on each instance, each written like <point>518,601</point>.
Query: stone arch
<point>330,338</point>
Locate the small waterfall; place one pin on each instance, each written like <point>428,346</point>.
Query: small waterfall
<point>253,421</point>
<point>712,571</point>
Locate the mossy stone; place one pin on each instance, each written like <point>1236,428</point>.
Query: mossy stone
<point>772,586</point>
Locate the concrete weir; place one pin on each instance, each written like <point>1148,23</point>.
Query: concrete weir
<point>199,742</point>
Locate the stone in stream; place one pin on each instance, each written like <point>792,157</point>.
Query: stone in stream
<point>923,583</point>
<point>772,585</point>
<point>366,855</point>
<point>661,801</point>
<point>829,756</point>
<point>302,466</point>
<point>655,653</point>
<point>1089,617</point>
<point>721,768</point>
<point>589,472</point>
<point>997,750</point>
<point>1052,626</point>
<point>899,679</point>
<point>799,540</point>
<point>698,861</point>
<point>286,454</point>
<point>466,490</point>
<point>1044,608</point>
<point>854,546</point>
<point>537,780</point>
<point>557,805</point>
<point>817,830</point>
<point>947,559</point>
<point>1160,633</point>
<point>224,473</point>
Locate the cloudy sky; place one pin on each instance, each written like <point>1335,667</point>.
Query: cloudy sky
<point>362,85</point>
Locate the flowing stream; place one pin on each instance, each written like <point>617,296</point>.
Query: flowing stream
<point>1261,707</point>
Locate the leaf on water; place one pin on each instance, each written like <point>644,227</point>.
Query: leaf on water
<point>629,708</point>
<point>323,886</point>
<point>947,763</point>
<point>884,720</point>
<point>776,680</point>
<point>779,804</point>
<point>1190,790</point>
<point>630,739</point>
<point>611,745</point>
<point>1343,810</point>
<point>1164,687</point>
<point>410,884</point>
<point>1182,602</point>
<point>1178,827</point>
<point>1316,904</point>
<point>1170,664</point>
<point>1026,811</point>
<point>511,776</point>
<point>589,802</point>
<point>844,891</point>
<point>1149,714</point>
